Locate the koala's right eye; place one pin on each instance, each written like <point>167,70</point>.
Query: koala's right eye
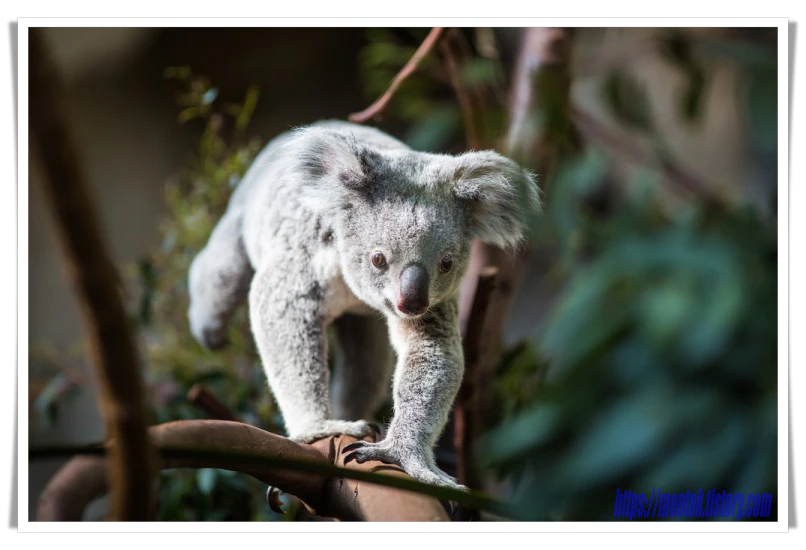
<point>379,260</point>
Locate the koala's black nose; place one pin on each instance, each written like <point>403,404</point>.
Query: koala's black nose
<point>413,290</point>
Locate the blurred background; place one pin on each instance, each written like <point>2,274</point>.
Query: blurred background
<point>640,350</point>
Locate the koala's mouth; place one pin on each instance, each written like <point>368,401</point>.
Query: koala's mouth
<point>407,316</point>
<point>410,316</point>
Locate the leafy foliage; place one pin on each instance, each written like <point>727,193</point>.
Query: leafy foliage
<point>195,202</point>
<point>662,352</point>
<point>657,367</point>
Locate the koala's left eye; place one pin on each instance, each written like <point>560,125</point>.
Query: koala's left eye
<point>446,264</point>
<point>379,260</point>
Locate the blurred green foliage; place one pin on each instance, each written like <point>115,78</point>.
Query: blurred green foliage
<point>657,366</point>
<point>195,201</point>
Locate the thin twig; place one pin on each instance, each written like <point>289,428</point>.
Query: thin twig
<point>110,343</point>
<point>204,399</point>
<point>481,95</point>
<point>408,69</point>
<point>469,114</point>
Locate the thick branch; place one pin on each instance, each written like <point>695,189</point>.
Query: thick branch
<point>109,340</point>
<point>464,426</point>
<point>220,442</point>
<point>408,69</point>
<point>540,86</point>
<point>537,124</point>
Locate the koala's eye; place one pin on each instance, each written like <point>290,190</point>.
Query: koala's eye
<point>379,260</point>
<point>446,264</point>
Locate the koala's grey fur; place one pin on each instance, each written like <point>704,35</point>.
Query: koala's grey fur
<point>298,237</point>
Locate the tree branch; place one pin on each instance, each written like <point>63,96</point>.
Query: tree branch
<point>204,399</point>
<point>374,110</point>
<point>540,92</point>
<point>464,425</point>
<point>314,473</point>
<point>469,115</point>
<point>109,340</point>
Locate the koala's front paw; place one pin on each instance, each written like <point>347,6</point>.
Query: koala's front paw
<point>415,464</point>
<point>326,428</point>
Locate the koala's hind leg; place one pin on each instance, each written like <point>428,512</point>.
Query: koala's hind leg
<point>286,313</point>
<point>364,364</point>
<point>218,282</point>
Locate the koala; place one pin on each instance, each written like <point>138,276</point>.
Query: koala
<point>343,225</point>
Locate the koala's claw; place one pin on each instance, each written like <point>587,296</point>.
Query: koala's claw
<point>361,452</point>
<point>416,466</point>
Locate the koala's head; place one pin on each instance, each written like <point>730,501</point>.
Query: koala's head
<point>404,220</point>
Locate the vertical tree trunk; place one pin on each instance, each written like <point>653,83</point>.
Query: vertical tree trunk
<point>109,339</point>
<point>538,130</point>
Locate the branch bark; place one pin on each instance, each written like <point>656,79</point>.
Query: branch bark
<point>374,110</point>
<point>538,115</point>
<point>83,478</point>
<point>464,422</point>
<point>109,340</point>
<point>204,399</point>
<point>463,97</point>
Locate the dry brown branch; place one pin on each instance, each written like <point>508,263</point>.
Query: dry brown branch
<point>82,479</point>
<point>543,52</point>
<point>204,399</point>
<point>540,77</point>
<point>475,100</point>
<point>464,424</point>
<point>74,486</point>
<point>374,110</point>
<point>109,340</point>
<point>469,114</point>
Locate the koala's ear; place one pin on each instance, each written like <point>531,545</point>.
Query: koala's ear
<point>333,156</point>
<point>500,195</point>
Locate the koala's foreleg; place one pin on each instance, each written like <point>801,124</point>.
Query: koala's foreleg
<point>364,363</point>
<point>427,379</point>
<point>218,281</point>
<point>286,313</point>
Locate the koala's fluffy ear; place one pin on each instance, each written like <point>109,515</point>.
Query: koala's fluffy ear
<point>501,196</point>
<point>332,156</point>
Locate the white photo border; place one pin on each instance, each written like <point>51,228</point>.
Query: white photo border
<point>781,525</point>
